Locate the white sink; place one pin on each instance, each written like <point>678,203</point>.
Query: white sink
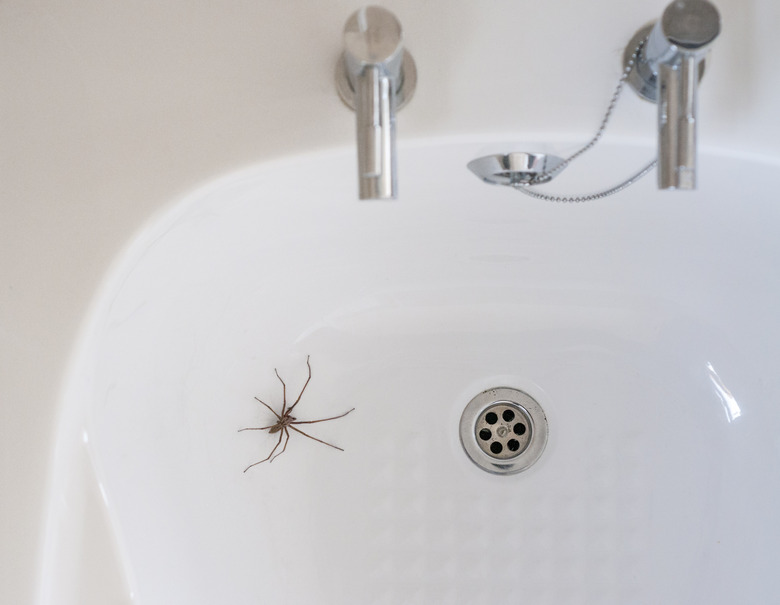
<point>646,326</point>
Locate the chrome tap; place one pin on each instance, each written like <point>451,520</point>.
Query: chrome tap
<point>375,77</point>
<point>667,71</point>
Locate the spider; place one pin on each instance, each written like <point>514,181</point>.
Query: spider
<point>286,420</point>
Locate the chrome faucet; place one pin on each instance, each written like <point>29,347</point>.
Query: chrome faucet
<point>375,77</point>
<point>667,71</point>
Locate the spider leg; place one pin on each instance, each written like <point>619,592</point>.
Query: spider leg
<point>270,408</point>
<point>284,391</point>
<point>269,455</point>
<point>315,439</point>
<point>259,428</point>
<point>304,386</point>
<point>322,419</point>
<point>286,441</point>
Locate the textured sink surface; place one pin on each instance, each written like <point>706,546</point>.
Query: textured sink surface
<point>645,325</point>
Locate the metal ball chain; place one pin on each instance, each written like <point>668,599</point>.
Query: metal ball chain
<point>526,187</point>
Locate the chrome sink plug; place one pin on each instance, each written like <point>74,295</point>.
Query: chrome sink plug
<point>667,71</point>
<point>375,77</point>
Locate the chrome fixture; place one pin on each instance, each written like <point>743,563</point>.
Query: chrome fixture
<point>517,168</point>
<point>663,62</point>
<point>503,430</point>
<point>667,72</point>
<point>375,77</point>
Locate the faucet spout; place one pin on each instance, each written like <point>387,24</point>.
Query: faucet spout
<point>375,78</point>
<point>677,124</point>
<point>375,99</point>
<point>668,71</point>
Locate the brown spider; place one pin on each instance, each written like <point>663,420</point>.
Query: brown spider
<point>286,421</point>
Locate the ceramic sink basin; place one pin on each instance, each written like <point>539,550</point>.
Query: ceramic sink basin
<point>645,325</point>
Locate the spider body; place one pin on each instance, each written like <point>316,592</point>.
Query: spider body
<point>285,421</point>
<point>280,425</point>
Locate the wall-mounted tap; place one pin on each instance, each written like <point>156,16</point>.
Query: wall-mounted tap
<point>667,71</point>
<point>375,77</point>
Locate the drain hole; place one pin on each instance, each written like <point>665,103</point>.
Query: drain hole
<point>503,430</point>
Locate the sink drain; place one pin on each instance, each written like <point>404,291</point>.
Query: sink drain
<point>503,430</point>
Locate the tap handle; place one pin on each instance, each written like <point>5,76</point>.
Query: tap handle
<point>686,28</point>
<point>691,25</point>
<point>373,37</point>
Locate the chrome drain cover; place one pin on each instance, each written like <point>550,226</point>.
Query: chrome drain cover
<point>503,430</point>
